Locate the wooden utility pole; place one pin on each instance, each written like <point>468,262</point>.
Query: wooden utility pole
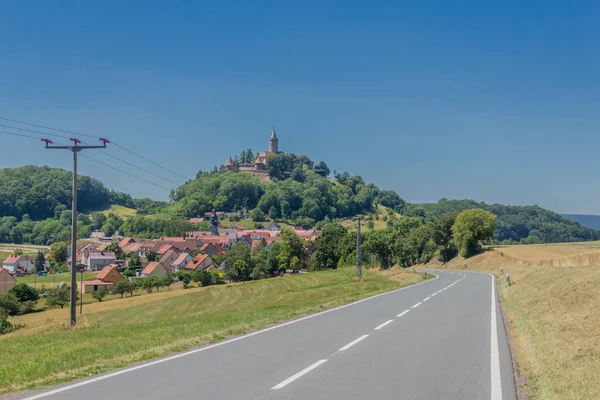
<point>75,148</point>
<point>358,251</point>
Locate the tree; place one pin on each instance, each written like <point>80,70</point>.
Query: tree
<point>442,237</point>
<point>204,278</point>
<point>291,246</point>
<point>151,256</point>
<point>24,292</point>
<point>274,213</point>
<point>101,293</point>
<point>122,287</point>
<point>327,245</point>
<point>378,243</point>
<point>322,169</point>
<point>58,253</point>
<point>257,215</point>
<point>10,303</point>
<point>238,271</point>
<point>40,261</point>
<point>472,227</point>
<point>150,283</point>
<point>184,276</point>
<point>114,247</point>
<point>371,224</point>
<point>168,280</point>
<point>5,326</point>
<point>18,252</point>
<point>58,297</point>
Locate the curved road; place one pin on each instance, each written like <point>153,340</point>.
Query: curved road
<point>441,339</point>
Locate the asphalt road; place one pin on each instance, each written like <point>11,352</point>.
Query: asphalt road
<point>436,340</point>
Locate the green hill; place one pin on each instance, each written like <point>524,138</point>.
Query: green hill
<point>35,204</point>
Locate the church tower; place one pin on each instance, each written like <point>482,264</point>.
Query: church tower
<point>274,142</point>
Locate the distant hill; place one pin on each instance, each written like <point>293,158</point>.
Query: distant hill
<point>591,221</point>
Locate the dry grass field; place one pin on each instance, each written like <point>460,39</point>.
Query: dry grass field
<point>554,310</point>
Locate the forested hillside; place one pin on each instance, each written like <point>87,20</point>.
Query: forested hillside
<point>524,224</point>
<point>35,204</point>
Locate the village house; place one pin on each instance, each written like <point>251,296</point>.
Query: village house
<point>164,248</point>
<point>126,241</point>
<point>180,263</point>
<point>210,249</point>
<point>96,260</point>
<point>273,226</point>
<point>200,263</point>
<point>109,276</point>
<point>154,269</point>
<point>13,263</point>
<point>7,281</point>
<point>169,258</point>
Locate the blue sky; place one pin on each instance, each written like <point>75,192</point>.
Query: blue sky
<point>496,101</point>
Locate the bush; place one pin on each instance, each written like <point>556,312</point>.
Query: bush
<point>24,292</point>
<point>5,326</point>
<point>100,294</point>
<point>58,297</point>
<point>26,307</point>
<point>9,303</point>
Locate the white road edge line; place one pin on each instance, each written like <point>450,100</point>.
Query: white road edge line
<point>416,305</point>
<point>352,343</point>
<point>389,321</point>
<point>187,353</point>
<point>402,313</point>
<point>495,353</point>
<point>298,375</point>
<point>426,298</point>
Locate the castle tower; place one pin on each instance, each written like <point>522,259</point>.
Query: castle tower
<point>274,142</point>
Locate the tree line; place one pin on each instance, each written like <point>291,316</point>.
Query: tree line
<point>407,241</point>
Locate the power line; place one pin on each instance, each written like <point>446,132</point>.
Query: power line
<point>93,159</point>
<point>19,134</point>
<point>83,134</point>
<point>150,161</point>
<point>145,170</point>
<point>105,152</point>
<point>46,127</point>
<point>124,172</point>
<point>127,173</point>
<point>32,131</point>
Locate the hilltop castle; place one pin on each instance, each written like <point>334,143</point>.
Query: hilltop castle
<point>260,164</point>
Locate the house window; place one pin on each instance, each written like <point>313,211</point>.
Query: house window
<point>95,287</point>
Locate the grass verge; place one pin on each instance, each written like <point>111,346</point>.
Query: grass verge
<point>156,326</point>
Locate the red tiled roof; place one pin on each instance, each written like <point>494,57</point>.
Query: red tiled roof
<point>181,258</point>
<point>126,241</point>
<point>11,259</point>
<point>132,248</point>
<point>97,255</point>
<point>151,267</point>
<point>172,238</point>
<point>214,239</point>
<point>164,248</point>
<point>195,220</point>
<point>106,271</point>
<point>229,162</point>
<point>196,261</point>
